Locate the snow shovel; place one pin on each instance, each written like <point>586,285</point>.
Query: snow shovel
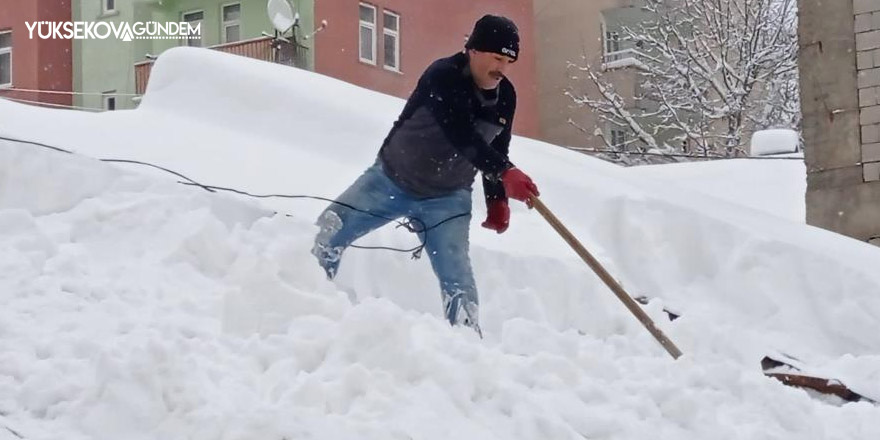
<point>612,284</point>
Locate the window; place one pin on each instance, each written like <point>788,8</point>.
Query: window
<point>367,29</point>
<point>618,137</point>
<point>231,23</point>
<point>612,45</point>
<point>108,6</point>
<point>194,19</point>
<point>5,58</point>
<point>391,34</point>
<point>619,51</point>
<point>109,100</point>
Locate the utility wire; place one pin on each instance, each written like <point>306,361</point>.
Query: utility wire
<point>6,427</point>
<point>411,224</point>
<point>13,432</point>
<point>408,224</point>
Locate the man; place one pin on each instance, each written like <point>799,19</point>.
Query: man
<point>456,122</point>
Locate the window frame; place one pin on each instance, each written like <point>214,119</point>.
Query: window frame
<point>187,40</point>
<point>372,27</point>
<point>610,38</point>
<point>225,25</point>
<point>617,134</point>
<point>106,98</point>
<point>105,10</point>
<point>8,51</point>
<point>396,35</point>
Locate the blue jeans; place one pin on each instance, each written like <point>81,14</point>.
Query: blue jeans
<point>446,244</point>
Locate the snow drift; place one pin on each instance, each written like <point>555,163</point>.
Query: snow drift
<point>135,307</point>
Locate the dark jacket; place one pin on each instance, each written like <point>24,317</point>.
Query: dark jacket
<point>448,130</point>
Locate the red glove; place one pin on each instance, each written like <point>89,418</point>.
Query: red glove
<point>518,185</point>
<point>498,218</point>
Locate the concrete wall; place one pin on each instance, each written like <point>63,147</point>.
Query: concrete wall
<point>867,28</point>
<point>105,65</point>
<point>840,75</point>
<point>429,30</point>
<point>38,64</point>
<point>570,32</point>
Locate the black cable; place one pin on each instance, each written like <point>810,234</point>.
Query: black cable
<point>4,426</point>
<point>407,224</point>
<point>189,181</point>
<point>13,432</point>
<point>37,144</point>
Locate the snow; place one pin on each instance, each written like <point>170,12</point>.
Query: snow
<point>135,307</point>
<point>624,62</point>
<point>774,141</point>
<point>776,187</point>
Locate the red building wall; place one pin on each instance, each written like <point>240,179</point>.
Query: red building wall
<point>38,64</point>
<point>429,29</point>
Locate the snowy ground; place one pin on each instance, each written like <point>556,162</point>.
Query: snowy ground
<point>135,307</point>
<point>772,186</point>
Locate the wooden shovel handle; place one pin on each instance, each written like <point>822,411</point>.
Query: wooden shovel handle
<point>605,277</point>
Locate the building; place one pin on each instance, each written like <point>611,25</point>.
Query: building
<point>382,45</point>
<point>572,34</point>
<point>28,64</point>
<point>385,45</point>
<point>111,73</point>
<point>840,98</point>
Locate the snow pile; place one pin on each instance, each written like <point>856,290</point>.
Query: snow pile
<point>775,141</point>
<point>134,307</point>
<point>776,187</point>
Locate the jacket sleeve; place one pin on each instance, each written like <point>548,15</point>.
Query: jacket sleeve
<point>493,189</point>
<point>492,186</point>
<point>447,95</point>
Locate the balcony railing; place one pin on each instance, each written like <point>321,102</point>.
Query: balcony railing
<point>262,48</point>
<point>257,48</point>
<point>623,58</point>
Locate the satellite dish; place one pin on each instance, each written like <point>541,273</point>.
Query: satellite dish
<point>281,15</point>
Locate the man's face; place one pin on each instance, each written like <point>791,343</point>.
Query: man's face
<point>488,68</point>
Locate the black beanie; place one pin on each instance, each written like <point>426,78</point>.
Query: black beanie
<point>495,34</point>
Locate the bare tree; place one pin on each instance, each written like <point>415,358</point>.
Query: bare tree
<point>709,72</point>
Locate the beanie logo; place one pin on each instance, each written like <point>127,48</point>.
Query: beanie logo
<point>509,52</point>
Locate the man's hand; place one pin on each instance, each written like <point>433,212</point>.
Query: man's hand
<point>519,186</point>
<point>498,217</point>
